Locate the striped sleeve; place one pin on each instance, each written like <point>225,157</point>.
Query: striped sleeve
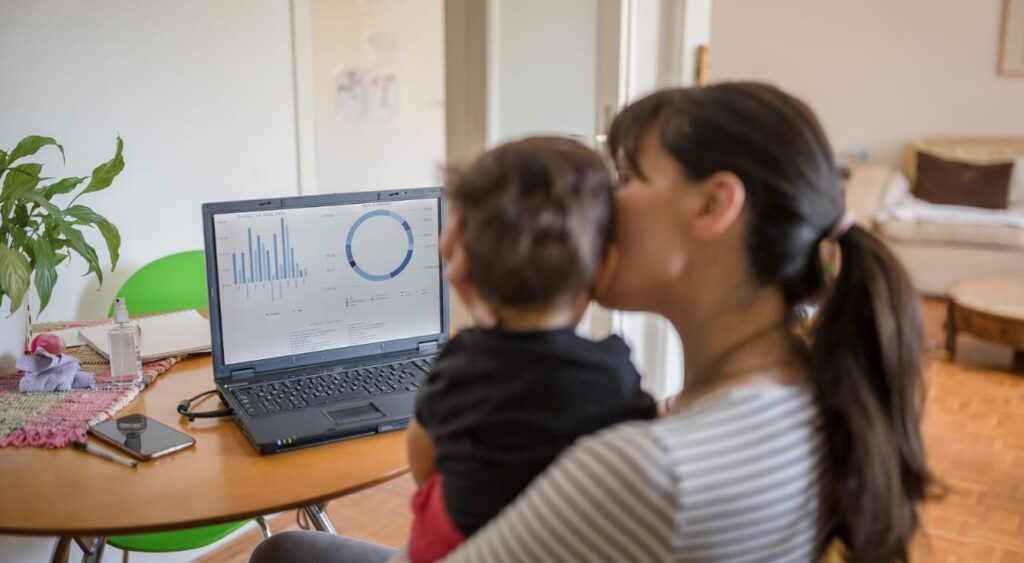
<point>608,498</point>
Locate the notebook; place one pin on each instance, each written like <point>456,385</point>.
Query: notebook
<point>169,334</point>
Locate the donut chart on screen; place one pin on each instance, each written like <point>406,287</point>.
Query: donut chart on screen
<point>351,234</point>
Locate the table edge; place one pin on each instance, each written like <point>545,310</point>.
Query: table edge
<point>996,316</point>
<point>234,517</point>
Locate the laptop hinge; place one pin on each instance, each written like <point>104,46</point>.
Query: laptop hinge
<point>428,347</point>
<point>241,374</point>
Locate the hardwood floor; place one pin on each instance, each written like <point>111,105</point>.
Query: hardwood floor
<point>973,429</point>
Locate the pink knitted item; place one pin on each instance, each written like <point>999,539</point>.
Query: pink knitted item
<point>52,420</point>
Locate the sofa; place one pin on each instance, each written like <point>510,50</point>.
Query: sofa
<point>943,244</point>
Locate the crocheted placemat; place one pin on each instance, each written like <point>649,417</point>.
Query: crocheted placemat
<point>52,420</point>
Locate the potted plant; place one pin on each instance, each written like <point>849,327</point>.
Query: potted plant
<point>37,234</point>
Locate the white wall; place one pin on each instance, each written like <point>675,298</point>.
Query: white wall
<point>877,72</point>
<point>405,149</point>
<point>200,91</point>
<point>541,68</point>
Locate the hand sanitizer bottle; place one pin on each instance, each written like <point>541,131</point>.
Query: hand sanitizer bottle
<point>125,348</point>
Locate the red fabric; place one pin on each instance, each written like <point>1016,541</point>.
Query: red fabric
<point>434,535</point>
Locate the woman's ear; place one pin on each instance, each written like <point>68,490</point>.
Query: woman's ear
<point>723,196</point>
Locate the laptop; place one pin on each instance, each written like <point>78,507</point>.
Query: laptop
<point>326,311</point>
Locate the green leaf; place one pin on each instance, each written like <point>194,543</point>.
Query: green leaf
<point>113,238</point>
<point>56,243</point>
<point>67,185</point>
<point>31,144</point>
<point>76,241</point>
<point>20,179</point>
<point>14,275</point>
<point>107,229</point>
<point>45,270</point>
<point>21,217</point>
<point>61,257</point>
<point>72,237</point>
<point>18,241</point>
<point>38,199</point>
<point>104,174</point>
<point>3,160</point>
<point>83,214</point>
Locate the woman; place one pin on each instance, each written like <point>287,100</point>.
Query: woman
<point>779,443</point>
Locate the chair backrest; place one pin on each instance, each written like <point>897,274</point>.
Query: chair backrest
<point>170,283</point>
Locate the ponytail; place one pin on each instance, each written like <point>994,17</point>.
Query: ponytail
<point>865,368</point>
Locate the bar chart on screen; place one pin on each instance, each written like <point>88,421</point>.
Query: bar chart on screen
<point>267,262</point>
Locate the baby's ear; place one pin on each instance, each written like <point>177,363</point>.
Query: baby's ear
<point>606,271</point>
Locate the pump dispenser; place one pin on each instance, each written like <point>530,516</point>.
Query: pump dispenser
<point>125,347</point>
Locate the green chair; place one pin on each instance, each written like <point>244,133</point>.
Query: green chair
<point>180,540</point>
<point>172,283</point>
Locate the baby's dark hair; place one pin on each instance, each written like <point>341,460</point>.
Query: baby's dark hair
<point>536,220</point>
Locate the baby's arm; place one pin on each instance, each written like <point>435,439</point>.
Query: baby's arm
<point>420,451</point>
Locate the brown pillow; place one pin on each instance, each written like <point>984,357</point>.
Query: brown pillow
<point>952,182</point>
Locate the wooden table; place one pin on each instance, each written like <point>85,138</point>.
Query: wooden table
<point>992,309</point>
<point>70,493</point>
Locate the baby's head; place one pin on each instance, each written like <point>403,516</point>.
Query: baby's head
<point>535,223</point>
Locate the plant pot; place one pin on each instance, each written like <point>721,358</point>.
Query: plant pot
<point>13,334</point>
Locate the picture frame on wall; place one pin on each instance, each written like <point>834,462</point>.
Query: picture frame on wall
<point>1011,44</point>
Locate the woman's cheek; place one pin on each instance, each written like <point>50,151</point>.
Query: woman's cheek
<point>650,251</point>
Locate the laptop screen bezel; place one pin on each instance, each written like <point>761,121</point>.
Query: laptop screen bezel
<point>222,371</point>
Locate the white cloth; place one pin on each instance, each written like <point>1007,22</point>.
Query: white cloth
<point>915,210</point>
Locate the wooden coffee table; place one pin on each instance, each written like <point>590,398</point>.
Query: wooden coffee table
<point>991,309</point>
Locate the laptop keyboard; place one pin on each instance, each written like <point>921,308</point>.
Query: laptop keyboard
<point>295,393</point>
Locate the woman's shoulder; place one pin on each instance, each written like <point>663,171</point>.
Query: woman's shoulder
<point>748,456</point>
<point>731,418</point>
<point>749,418</point>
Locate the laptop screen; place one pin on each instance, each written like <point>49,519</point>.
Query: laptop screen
<point>292,281</point>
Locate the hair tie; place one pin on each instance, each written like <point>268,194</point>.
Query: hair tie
<point>841,227</point>
<point>828,248</point>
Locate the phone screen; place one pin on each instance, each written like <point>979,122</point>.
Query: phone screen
<point>141,436</point>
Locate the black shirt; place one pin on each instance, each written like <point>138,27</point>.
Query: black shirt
<point>500,406</point>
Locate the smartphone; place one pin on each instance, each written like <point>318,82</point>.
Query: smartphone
<point>141,436</point>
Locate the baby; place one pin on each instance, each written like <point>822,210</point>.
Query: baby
<point>534,218</point>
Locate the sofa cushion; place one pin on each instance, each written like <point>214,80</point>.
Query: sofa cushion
<point>920,221</point>
<point>976,235</point>
<point>1017,183</point>
<point>979,150</point>
<point>952,182</point>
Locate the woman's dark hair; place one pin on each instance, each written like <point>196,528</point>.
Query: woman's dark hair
<point>864,356</point>
<point>536,220</point>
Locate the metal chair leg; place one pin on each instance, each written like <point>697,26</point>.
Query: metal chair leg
<point>319,518</point>
<point>94,553</point>
<point>61,550</point>
<point>264,527</point>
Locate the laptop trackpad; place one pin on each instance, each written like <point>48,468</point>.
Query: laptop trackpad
<point>354,414</point>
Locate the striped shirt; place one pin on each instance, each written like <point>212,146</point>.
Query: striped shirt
<point>733,476</point>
